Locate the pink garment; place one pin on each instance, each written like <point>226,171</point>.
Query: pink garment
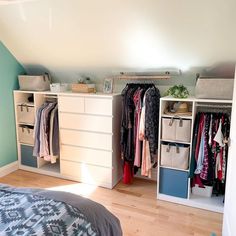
<point>138,109</point>
<point>146,160</point>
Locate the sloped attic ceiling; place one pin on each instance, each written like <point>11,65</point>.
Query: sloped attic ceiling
<point>108,35</point>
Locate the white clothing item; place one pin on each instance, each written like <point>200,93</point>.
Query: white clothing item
<point>141,132</point>
<point>219,137</point>
<point>210,132</point>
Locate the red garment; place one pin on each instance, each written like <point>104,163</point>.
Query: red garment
<point>197,180</point>
<point>128,173</point>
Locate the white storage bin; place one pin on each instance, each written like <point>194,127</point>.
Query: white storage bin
<point>25,114</point>
<point>168,129</point>
<point>174,156</point>
<point>183,130</point>
<point>25,134</point>
<point>176,129</point>
<point>58,87</point>
<point>204,192</point>
<point>214,88</point>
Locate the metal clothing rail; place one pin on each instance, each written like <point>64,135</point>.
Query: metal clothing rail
<point>214,106</point>
<point>150,75</point>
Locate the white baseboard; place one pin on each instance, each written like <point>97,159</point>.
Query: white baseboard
<point>7,169</point>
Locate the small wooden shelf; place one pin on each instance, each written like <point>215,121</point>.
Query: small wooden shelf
<point>172,168</point>
<point>175,141</point>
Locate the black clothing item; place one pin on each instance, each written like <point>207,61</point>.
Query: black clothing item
<point>152,119</point>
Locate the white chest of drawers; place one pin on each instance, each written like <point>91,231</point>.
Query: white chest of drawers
<point>89,134</point>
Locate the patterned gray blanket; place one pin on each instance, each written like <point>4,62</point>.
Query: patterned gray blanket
<point>29,214</point>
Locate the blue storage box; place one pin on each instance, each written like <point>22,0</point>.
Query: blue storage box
<point>27,157</point>
<point>173,182</point>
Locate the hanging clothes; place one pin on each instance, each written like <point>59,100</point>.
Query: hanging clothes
<point>210,150</point>
<point>139,128</point>
<point>46,132</point>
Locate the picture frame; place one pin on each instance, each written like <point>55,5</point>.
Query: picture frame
<point>108,85</point>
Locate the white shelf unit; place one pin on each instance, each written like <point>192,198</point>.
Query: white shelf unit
<point>35,163</point>
<point>214,203</point>
<point>89,134</point>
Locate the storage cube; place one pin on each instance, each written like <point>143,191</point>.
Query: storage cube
<point>176,129</point>
<point>168,129</point>
<point>25,114</point>
<point>27,157</point>
<point>25,134</point>
<point>175,156</point>
<point>183,130</point>
<point>206,191</point>
<point>173,182</point>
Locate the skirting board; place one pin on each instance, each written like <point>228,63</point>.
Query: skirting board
<point>7,169</point>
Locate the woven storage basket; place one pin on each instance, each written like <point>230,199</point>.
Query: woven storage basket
<point>83,88</point>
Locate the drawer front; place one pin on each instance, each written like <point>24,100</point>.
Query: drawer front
<point>27,157</point>
<point>86,139</point>
<point>85,155</point>
<point>86,173</point>
<point>173,182</point>
<point>99,106</point>
<point>86,122</point>
<point>71,104</point>
<point>25,114</point>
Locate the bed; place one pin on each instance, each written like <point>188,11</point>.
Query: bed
<point>35,212</point>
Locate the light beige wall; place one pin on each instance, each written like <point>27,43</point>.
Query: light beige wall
<point>102,37</point>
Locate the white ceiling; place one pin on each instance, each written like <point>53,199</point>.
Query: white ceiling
<point>108,35</point>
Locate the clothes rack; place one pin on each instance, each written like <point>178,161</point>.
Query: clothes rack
<point>220,106</point>
<point>139,128</point>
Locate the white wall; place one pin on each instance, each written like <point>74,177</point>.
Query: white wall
<point>229,226</point>
<point>105,36</point>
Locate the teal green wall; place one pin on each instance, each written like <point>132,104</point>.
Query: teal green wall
<point>9,70</point>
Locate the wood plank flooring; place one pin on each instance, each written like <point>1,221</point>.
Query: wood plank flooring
<point>135,205</point>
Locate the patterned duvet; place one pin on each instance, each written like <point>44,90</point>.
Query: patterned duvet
<point>32,214</point>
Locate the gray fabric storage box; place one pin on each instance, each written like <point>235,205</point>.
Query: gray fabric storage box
<point>176,129</point>
<point>34,82</point>
<point>25,134</point>
<point>175,156</point>
<point>25,114</point>
<point>214,88</point>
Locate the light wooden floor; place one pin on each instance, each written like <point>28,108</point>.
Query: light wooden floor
<point>135,205</point>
